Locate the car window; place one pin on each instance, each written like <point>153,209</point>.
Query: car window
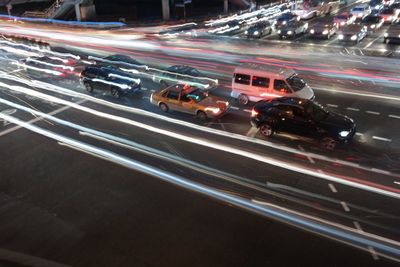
<point>280,85</point>
<point>260,81</point>
<point>296,83</point>
<point>173,95</point>
<point>185,97</point>
<point>242,78</point>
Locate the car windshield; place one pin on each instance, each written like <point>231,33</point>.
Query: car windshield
<point>358,9</point>
<point>197,95</point>
<point>317,112</point>
<point>295,82</point>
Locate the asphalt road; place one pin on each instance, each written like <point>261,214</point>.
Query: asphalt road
<point>355,187</point>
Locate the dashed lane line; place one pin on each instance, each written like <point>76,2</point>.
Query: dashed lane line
<point>352,109</point>
<point>373,253</point>
<point>252,132</point>
<point>394,116</point>
<point>381,138</point>
<point>332,105</point>
<point>310,159</point>
<point>396,182</point>
<point>345,207</point>
<point>333,188</point>
<point>358,226</point>
<point>372,112</point>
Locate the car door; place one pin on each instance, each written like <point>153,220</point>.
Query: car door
<point>262,85</point>
<point>172,100</point>
<point>187,104</point>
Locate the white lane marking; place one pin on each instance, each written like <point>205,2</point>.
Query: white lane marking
<point>152,90</point>
<point>310,159</point>
<point>396,182</point>
<point>7,112</point>
<point>332,105</point>
<point>352,109</point>
<point>17,127</point>
<point>247,110</point>
<point>145,89</point>
<point>379,171</point>
<point>394,116</point>
<point>252,132</point>
<point>373,253</point>
<point>333,188</point>
<point>358,226</point>
<point>345,207</point>
<point>370,43</point>
<point>146,97</point>
<point>372,112</point>
<point>381,138</point>
<point>235,108</point>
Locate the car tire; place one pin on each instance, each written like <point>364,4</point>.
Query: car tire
<point>115,92</point>
<point>164,84</point>
<point>201,115</point>
<point>88,87</point>
<point>328,143</point>
<point>266,129</point>
<point>163,107</point>
<point>243,99</point>
<point>280,37</point>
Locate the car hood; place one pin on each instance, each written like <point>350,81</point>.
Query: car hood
<point>336,123</point>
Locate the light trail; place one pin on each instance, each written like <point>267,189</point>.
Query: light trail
<point>349,181</point>
<point>386,247</point>
<point>196,127</point>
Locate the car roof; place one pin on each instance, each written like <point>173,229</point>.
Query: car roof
<point>289,101</point>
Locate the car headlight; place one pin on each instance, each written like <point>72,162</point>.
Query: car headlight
<point>289,32</point>
<point>256,32</point>
<point>325,32</point>
<point>341,36</point>
<point>284,22</point>
<point>246,32</point>
<point>390,18</point>
<point>213,110</point>
<point>279,31</point>
<point>354,37</point>
<point>342,23</point>
<point>377,7</point>
<point>344,133</point>
<point>385,34</point>
<point>373,26</point>
<point>312,31</point>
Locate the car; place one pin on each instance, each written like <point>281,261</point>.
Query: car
<point>352,33</point>
<point>259,30</point>
<point>231,28</point>
<point>372,22</point>
<point>283,19</point>
<point>191,100</point>
<point>392,34</point>
<point>361,11</point>
<point>376,5</point>
<point>183,74</point>
<point>109,79</point>
<point>304,118</point>
<point>388,2</point>
<point>390,15</point>
<point>344,19</point>
<point>395,5</point>
<point>324,28</point>
<point>120,61</point>
<point>292,28</point>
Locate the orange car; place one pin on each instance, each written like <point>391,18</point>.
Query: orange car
<point>188,99</point>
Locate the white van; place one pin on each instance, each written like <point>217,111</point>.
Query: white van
<point>254,82</point>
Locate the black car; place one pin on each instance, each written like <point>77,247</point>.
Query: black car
<point>323,28</point>
<point>183,74</point>
<point>109,79</point>
<point>120,61</point>
<point>292,29</point>
<point>302,117</point>
<point>259,30</point>
<point>372,22</point>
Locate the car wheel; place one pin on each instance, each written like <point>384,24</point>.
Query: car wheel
<point>163,84</point>
<point>201,115</point>
<point>163,107</point>
<point>266,129</point>
<point>88,87</point>
<point>329,143</point>
<point>243,99</point>
<point>115,92</point>
<point>280,37</point>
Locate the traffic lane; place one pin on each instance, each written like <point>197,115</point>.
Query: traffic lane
<point>225,187</point>
<point>134,102</point>
<point>134,211</point>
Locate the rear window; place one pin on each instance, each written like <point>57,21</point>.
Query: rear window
<point>260,81</point>
<point>242,79</point>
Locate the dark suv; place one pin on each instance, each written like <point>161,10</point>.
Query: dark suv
<point>302,117</point>
<point>109,79</point>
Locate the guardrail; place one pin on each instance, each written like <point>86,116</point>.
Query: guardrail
<point>89,24</point>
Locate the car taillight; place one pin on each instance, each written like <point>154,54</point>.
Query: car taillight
<point>254,113</point>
